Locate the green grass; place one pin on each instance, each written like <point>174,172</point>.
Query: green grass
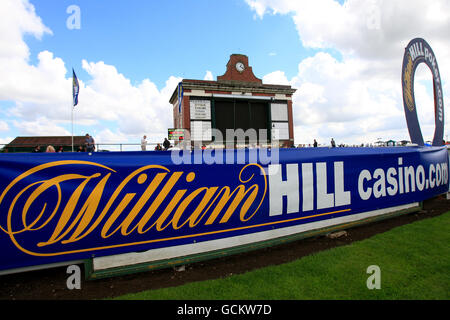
<point>414,260</point>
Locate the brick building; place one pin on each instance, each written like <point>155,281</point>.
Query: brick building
<point>237,100</point>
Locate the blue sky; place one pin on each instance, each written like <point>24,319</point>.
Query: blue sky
<point>343,57</point>
<point>156,39</point>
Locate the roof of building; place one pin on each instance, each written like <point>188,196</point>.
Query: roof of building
<point>232,86</point>
<point>235,81</point>
<point>45,141</point>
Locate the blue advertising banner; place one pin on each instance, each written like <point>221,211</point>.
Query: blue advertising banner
<point>73,206</point>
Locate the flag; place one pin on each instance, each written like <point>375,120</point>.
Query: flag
<point>180,96</point>
<point>75,88</point>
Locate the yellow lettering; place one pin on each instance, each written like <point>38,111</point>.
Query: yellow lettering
<point>116,193</point>
<point>194,217</point>
<point>157,202</point>
<point>123,211</point>
<point>88,210</point>
<point>172,204</point>
<point>68,210</point>
<point>140,204</point>
<point>239,193</point>
<point>119,209</point>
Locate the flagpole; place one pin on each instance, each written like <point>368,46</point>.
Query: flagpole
<point>72,128</point>
<point>75,90</point>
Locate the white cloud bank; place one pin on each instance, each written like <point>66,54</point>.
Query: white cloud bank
<point>357,97</point>
<point>119,110</point>
<point>354,98</point>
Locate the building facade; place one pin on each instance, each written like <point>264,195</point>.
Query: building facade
<point>237,100</point>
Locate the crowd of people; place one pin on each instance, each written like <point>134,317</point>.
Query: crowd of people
<point>315,144</point>
<point>89,146</point>
<point>49,148</point>
<point>377,144</point>
<point>165,145</point>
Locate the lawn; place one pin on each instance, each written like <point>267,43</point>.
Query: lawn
<point>414,263</point>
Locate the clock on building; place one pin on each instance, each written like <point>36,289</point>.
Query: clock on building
<point>240,66</point>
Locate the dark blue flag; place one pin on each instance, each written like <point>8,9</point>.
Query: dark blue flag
<point>75,88</point>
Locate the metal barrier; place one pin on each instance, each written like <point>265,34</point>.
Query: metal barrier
<point>99,147</point>
<point>105,147</point>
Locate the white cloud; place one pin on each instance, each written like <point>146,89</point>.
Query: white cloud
<point>40,127</point>
<point>141,109</point>
<point>354,98</point>
<point>5,140</point>
<point>374,28</point>
<point>276,77</point>
<point>18,18</point>
<point>38,91</point>
<point>333,91</point>
<point>358,96</point>
<point>4,126</point>
<point>20,80</point>
<point>42,93</point>
<point>108,136</point>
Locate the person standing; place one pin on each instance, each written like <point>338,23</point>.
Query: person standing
<point>315,143</point>
<point>89,143</point>
<point>333,144</point>
<point>144,143</point>
<point>166,144</point>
